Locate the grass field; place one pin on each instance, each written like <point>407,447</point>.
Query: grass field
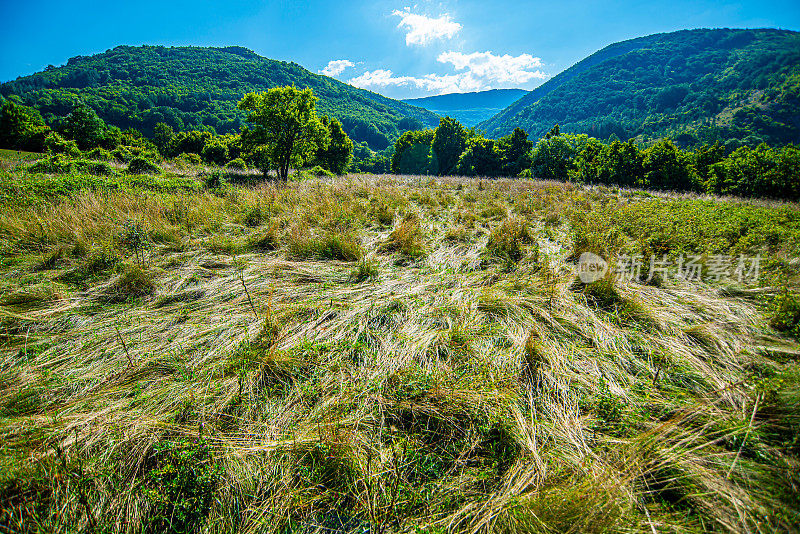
<point>390,354</point>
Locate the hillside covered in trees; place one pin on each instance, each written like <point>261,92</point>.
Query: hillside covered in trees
<point>738,87</point>
<point>196,88</point>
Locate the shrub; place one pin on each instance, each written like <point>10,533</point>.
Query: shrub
<point>319,171</point>
<point>785,313</point>
<point>140,165</point>
<point>99,154</point>
<point>60,164</point>
<point>55,144</point>
<point>213,179</point>
<point>189,159</point>
<point>121,154</point>
<point>237,164</point>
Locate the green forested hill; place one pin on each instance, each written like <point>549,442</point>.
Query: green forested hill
<point>735,86</point>
<point>198,88</point>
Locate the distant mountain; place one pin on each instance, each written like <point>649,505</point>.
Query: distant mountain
<point>735,86</point>
<point>469,108</point>
<point>198,88</point>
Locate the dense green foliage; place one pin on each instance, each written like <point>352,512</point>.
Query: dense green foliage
<point>286,131</point>
<point>413,153</point>
<point>748,172</point>
<point>448,143</point>
<point>21,127</point>
<point>338,154</point>
<point>761,171</point>
<point>193,88</point>
<point>736,87</point>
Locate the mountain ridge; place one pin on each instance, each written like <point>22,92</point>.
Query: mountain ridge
<point>190,87</point>
<point>469,108</point>
<point>692,85</point>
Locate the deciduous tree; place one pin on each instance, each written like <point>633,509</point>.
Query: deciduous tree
<point>286,129</point>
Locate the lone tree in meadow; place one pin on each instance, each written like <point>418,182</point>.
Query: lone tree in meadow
<point>286,130</point>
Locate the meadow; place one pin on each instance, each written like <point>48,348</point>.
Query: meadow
<point>200,351</point>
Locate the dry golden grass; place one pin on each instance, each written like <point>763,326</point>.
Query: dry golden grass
<point>444,394</point>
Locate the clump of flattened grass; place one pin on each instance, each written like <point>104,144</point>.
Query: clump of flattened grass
<point>225,244</point>
<point>133,281</point>
<point>494,210</point>
<point>51,259</point>
<point>457,235</point>
<point>381,212</point>
<point>97,260</point>
<point>577,503</point>
<point>265,240</point>
<point>343,246</point>
<point>507,241</point>
<point>31,297</point>
<point>365,270</point>
<point>407,238</point>
<point>604,295</point>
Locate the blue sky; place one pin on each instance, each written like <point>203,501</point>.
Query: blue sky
<point>397,48</point>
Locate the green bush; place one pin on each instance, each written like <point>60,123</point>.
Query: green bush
<point>61,164</point>
<point>99,154</point>
<point>785,313</point>
<point>237,164</point>
<point>213,179</point>
<point>140,165</point>
<point>55,144</point>
<point>121,154</point>
<point>189,159</point>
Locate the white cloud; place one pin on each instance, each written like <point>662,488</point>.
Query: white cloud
<point>451,83</point>
<point>503,69</point>
<point>336,67</point>
<point>482,71</point>
<point>421,30</point>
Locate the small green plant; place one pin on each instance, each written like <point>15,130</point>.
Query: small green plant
<point>785,313</point>
<point>136,239</point>
<point>180,484</point>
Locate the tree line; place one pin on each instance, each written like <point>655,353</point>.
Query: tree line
<point>760,171</point>
<point>285,132</point>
